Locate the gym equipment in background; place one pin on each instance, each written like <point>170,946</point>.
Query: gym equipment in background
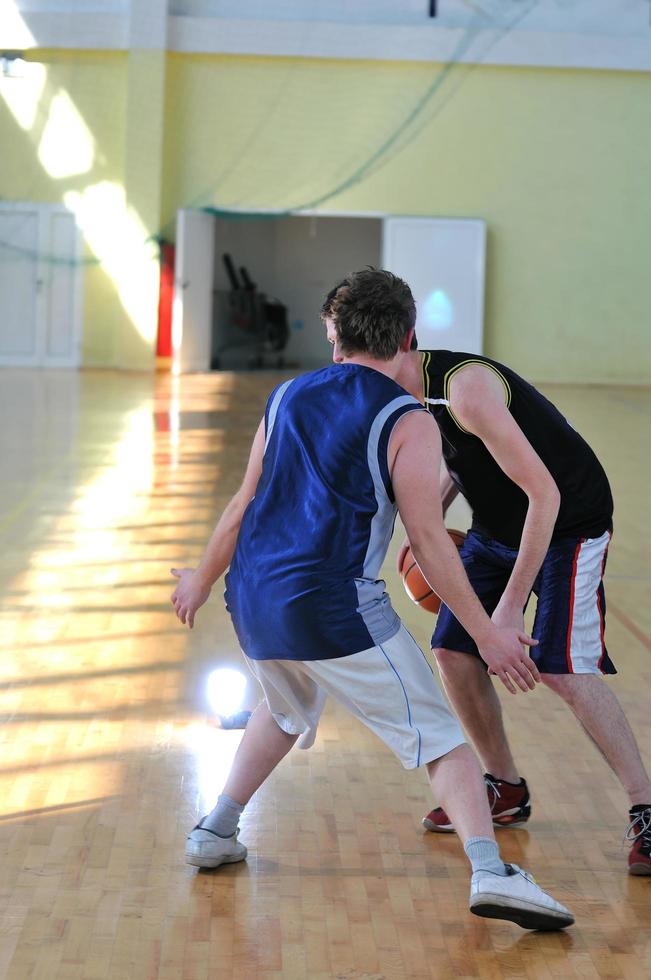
<point>249,329</point>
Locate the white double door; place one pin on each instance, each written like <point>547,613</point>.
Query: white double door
<point>40,286</point>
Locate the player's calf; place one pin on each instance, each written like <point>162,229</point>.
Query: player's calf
<point>509,803</point>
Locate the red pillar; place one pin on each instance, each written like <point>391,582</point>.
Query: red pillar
<point>165,301</point>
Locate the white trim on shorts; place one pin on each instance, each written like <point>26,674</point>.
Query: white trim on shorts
<point>390,687</point>
<point>585,631</point>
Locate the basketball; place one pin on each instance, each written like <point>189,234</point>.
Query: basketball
<point>416,586</point>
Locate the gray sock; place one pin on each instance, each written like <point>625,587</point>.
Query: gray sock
<point>223,820</point>
<point>484,855</point>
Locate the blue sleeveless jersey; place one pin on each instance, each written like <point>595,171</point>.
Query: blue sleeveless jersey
<point>303,581</point>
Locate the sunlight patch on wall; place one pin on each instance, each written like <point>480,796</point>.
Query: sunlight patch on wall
<point>118,238</point>
<point>23,95</point>
<point>67,146</point>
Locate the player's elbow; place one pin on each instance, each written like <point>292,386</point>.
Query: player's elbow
<point>545,495</point>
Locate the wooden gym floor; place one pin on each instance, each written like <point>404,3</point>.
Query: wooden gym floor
<point>108,754</point>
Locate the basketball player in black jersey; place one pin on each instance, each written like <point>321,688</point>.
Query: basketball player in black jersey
<point>542,521</point>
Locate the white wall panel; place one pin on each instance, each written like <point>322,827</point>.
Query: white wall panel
<point>443,260</point>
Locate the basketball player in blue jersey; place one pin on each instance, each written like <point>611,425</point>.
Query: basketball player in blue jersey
<point>542,522</point>
<point>337,453</point>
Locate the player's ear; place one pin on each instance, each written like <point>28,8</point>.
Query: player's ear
<point>407,341</point>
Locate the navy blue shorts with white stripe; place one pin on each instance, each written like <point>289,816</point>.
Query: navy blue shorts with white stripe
<point>571,614</point>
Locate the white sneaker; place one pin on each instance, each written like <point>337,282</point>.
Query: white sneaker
<point>205,849</point>
<point>516,897</point>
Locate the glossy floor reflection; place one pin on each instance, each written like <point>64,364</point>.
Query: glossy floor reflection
<point>108,753</point>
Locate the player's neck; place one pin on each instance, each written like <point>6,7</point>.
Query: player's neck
<point>410,374</point>
<point>389,368</point>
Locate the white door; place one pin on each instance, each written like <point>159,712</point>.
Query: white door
<point>62,278</point>
<point>443,261</point>
<point>40,286</point>
<point>19,286</point>
<point>194,273</point>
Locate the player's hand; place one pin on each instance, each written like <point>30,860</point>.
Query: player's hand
<point>401,555</point>
<point>189,595</point>
<point>506,616</point>
<point>505,656</point>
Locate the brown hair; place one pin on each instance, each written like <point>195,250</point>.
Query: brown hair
<point>372,312</point>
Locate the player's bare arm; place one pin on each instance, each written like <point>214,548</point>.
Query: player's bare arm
<point>414,461</point>
<point>195,585</point>
<point>477,399</point>
<point>449,491</point>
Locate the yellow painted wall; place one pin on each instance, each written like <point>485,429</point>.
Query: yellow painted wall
<point>556,162</point>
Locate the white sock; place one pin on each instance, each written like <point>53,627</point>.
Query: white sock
<point>223,820</point>
<point>484,855</point>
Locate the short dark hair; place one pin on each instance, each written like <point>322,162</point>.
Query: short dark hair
<point>372,312</point>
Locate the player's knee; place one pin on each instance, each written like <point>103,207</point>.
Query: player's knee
<point>447,660</point>
<point>560,684</point>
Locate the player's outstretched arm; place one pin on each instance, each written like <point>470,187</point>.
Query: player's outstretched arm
<point>477,399</point>
<point>195,585</point>
<point>414,462</point>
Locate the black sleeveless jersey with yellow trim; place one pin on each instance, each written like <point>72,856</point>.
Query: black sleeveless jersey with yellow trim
<point>499,506</point>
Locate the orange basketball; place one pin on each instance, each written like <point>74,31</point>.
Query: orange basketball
<point>416,586</point>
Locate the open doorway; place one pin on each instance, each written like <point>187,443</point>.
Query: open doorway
<point>279,268</point>
<point>294,261</point>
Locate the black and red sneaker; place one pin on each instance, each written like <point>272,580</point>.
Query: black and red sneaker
<point>639,834</point>
<point>509,803</point>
